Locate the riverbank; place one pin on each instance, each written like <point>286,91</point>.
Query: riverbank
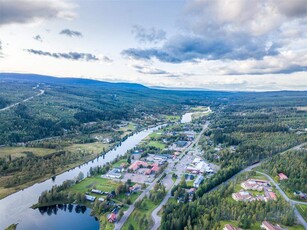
<point>4,192</point>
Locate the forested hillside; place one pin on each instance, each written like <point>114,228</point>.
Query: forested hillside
<point>243,132</point>
<point>68,103</point>
<point>294,165</point>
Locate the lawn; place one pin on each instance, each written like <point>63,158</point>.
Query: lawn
<point>104,223</point>
<point>155,135</point>
<point>122,197</point>
<point>118,163</point>
<point>88,183</point>
<point>156,144</point>
<point>302,209</point>
<point>135,216</point>
<point>190,183</point>
<point>20,151</point>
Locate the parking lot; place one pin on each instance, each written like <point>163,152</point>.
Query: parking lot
<point>138,178</point>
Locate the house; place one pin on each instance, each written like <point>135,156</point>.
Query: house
<point>252,184</point>
<point>101,199</point>
<point>198,181</point>
<point>160,157</point>
<point>97,191</point>
<point>138,164</point>
<point>282,176</point>
<point>90,198</point>
<point>134,188</point>
<point>241,196</point>
<point>114,173</point>
<point>271,196</point>
<point>230,227</point>
<point>112,217</point>
<point>181,144</point>
<point>268,226</point>
<point>155,168</point>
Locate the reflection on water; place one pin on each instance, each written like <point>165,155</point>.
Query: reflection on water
<point>62,216</point>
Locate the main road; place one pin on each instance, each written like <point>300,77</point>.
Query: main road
<point>154,214</point>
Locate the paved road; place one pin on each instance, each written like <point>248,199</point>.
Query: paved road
<point>249,168</point>
<point>154,216</point>
<point>121,222</point>
<point>292,202</point>
<point>27,99</point>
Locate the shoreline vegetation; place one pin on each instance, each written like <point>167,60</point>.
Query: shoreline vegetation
<point>6,191</point>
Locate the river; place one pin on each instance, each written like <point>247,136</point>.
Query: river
<point>16,207</point>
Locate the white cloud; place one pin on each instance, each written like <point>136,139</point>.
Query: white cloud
<point>29,11</point>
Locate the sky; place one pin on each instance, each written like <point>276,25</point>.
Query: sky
<point>239,45</point>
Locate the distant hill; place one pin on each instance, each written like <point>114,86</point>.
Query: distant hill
<point>70,81</point>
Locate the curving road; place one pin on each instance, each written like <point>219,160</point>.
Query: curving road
<point>292,202</point>
<point>121,222</point>
<point>25,100</point>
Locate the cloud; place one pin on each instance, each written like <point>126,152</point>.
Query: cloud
<point>107,59</point>
<point>1,49</point>
<point>70,56</point>
<point>149,70</point>
<point>151,35</point>
<point>71,33</point>
<point>191,49</point>
<point>234,32</point>
<point>293,8</point>
<point>28,11</point>
<point>38,38</point>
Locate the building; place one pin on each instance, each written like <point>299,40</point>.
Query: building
<point>198,181</point>
<point>268,226</point>
<point>282,176</point>
<point>181,144</point>
<point>112,217</point>
<point>252,184</point>
<point>160,157</point>
<point>90,198</point>
<point>230,227</point>
<point>155,168</point>
<point>242,196</point>
<point>115,173</point>
<point>101,199</point>
<point>138,164</point>
<point>271,196</point>
<point>134,188</point>
<point>97,191</point>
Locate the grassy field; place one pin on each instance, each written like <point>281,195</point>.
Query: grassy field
<point>122,197</point>
<point>172,118</point>
<point>96,147</point>
<point>156,144</point>
<point>88,183</point>
<point>20,151</point>
<point>105,224</point>
<point>127,129</point>
<point>138,213</point>
<point>302,209</point>
<point>118,163</point>
<point>154,135</point>
<point>200,108</point>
